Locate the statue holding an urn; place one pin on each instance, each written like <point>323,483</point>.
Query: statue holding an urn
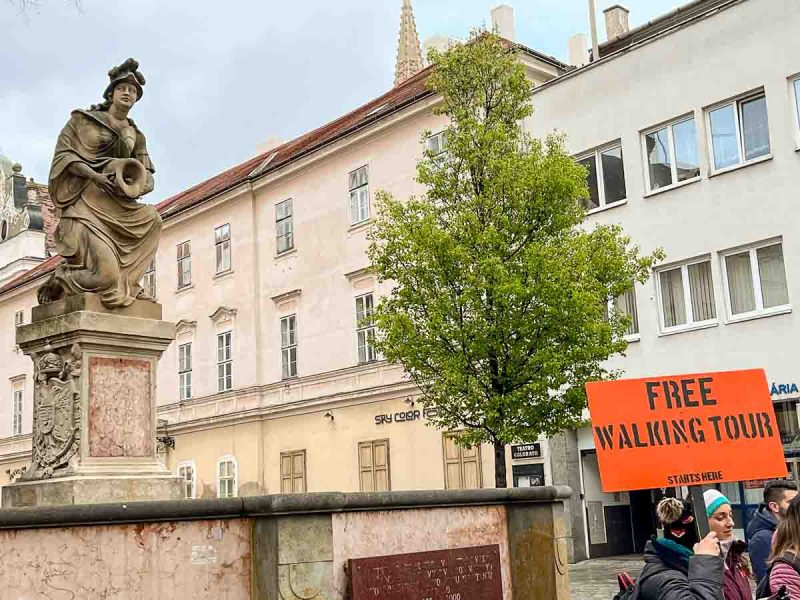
<point>99,170</point>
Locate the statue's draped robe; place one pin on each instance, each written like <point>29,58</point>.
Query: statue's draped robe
<point>107,241</point>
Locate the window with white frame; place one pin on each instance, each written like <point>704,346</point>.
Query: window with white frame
<point>365,329</point>
<point>796,89</point>
<point>686,295</point>
<point>224,362</point>
<point>19,318</point>
<point>227,477</point>
<point>739,131</point>
<point>148,282</point>
<point>289,346</point>
<point>755,280</point>
<point>284,225</point>
<point>359,195</point>
<point>16,424</point>
<point>184,264</point>
<point>185,371</point>
<point>437,143</point>
<point>606,176</point>
<point>671,154</point>
<point>222,247</point>
<point>188,475</point>
<point>625,305</point>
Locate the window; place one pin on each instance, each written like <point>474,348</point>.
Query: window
<point>671,154</point>
<point>222,247</point>
<point>186,472</point>
<point>462,466</point>
<point>359,196</point>
<point>365,329</point>
<point>755,281</point>
<point>739,131</point>
<point>606,178</point>
<point>293,472</point>
<point>185,371</point>
<point>184,264</point>
<point>796,87</point>
<point>289,346</point>
<point>224,362</point>
<point>686,295</point>
<point>227,477</point>
<point>148,282</point>
<point>19,318</point>
<point>625,304</point>
<point>16,425</point>
<point>373,466</point>
<point>284,225</point>
<point>437,143</point>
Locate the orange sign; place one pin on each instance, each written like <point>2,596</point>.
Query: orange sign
<point>685,430</point>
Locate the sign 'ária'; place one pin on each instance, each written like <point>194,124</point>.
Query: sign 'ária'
<point>684,430</point>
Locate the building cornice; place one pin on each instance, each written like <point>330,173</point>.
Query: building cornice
<point>287,296</point>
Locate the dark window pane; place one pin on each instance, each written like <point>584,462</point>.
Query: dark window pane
<point>685,139</point>
<point>723,137</point>
<point>613,175</point>
<point>593,201</point>
<point>755,129</point>
<point>659,163</point>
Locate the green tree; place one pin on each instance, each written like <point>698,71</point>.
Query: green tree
<point>498,310</point>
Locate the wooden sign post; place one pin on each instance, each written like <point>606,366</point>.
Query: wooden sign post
<point>685,430</point>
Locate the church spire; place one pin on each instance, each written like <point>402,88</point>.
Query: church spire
<point>409,54</point>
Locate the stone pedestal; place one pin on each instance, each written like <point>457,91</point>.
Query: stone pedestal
<point>94,410</point>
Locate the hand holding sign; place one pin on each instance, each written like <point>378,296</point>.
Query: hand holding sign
<point>709,545</point>
<point>684,430</point>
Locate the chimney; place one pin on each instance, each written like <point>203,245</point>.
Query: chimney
<point>616,21</point>
<point>438,42</point>
<point>577,50</point>
<point>503,21</point>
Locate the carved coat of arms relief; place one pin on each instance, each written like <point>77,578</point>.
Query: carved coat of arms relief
<point>56,410</point>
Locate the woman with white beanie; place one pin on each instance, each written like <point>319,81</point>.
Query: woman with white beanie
<point>735,582</point>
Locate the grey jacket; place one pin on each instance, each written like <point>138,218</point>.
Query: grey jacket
<point>669,575</point>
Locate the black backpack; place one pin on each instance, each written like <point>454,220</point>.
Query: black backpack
<point>763,590</point>
<point>628,590</point>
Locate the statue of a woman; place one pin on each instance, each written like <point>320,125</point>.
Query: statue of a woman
<point>99,169</point>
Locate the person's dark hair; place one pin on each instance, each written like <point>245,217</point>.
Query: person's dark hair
<point>787,535</point>
<point>774,489</point>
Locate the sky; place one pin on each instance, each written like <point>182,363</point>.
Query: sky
<point>226,76</point>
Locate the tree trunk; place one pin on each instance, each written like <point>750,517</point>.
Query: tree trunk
<point>500,480</point>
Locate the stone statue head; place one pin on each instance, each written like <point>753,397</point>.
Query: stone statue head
<point>127,73</point>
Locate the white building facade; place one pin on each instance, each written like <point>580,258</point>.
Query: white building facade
<point>704,110</point>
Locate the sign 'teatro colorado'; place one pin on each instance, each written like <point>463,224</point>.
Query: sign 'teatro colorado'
<point>684,430</point>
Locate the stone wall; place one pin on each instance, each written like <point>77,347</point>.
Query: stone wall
<point>283,547</point>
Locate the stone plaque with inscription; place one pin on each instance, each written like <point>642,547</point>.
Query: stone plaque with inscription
<point>457,574</point>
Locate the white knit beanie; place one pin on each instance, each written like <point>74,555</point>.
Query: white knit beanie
<point>714,499</point>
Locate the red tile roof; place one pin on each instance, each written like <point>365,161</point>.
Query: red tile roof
<point>408,92</point>
<point>38,271</point>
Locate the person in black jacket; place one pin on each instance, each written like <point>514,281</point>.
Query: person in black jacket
<point>777,495</point>
<point>677,566</point>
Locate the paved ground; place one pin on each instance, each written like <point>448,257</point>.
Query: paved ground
<point>596,579</point>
